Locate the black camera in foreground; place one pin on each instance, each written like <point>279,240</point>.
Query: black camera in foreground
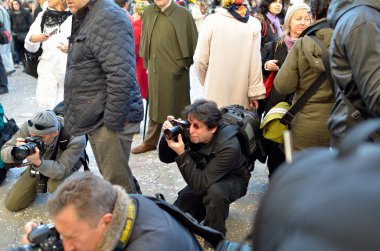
<point>19,153</point>
<point>43,238</point>
<point>179,127</point>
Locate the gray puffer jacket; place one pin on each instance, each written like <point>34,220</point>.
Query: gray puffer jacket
<point>355,52</point>
<point>100,83</point>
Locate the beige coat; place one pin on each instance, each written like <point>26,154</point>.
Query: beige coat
<point>227,59</point>
<point>301,68</point>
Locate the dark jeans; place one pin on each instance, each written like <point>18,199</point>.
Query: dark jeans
<point>212,207</point>
<point>19,52</point>
<point>3,75</point>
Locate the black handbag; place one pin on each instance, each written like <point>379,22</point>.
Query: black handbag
<point>33,58</point>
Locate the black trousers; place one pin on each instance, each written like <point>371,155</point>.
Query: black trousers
<point>213,206</point>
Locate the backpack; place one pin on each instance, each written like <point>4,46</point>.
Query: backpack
<point>248,123</point>
<point>7,130</point>
<point>64,137</point>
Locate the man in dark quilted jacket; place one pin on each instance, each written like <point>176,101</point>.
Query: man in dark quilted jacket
<point>102,97</point>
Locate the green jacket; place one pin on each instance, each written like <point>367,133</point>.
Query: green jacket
<point>301,68</point>
<point>167,45</point>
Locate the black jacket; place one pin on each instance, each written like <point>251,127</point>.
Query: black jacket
<point>201,165</point>
<point>355,53</point>
<point>100,83</point>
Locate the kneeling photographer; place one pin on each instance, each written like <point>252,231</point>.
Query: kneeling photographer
<point>38,141</point>
<point>209,157</point>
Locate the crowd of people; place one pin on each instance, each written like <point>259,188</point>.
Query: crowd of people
<point>103,57</point>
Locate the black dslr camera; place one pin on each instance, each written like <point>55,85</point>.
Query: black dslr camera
<point>43,238</point>
<point>19,153</point>
<point>179,127</point>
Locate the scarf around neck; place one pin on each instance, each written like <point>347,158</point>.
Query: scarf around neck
<point>276,22</point>
<point>289,41</point>
<point>53,17</point>
<point>238,10</point>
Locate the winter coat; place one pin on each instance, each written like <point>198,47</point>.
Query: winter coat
<point>52,66</point>
<point>355,53</point>
<point>227,59</point>
<point>100,84</point>
<point>168,41</point>
<point>142,76</point>
<point>202,165</point>
<point>302,67</point>
<point>154,229</point>
<point>66,160</point>
<point>21,21</point>
<point>268,31</point>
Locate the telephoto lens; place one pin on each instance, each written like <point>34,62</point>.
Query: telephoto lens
<point>19,153</point>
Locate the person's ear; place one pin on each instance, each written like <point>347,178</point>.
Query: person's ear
<point>213,130</point>
<point>106,219</point>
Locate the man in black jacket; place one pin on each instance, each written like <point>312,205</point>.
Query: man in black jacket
<point>92,215</point>
<point>102,97</point>
<point>211,162</point>
<point>354,57</point>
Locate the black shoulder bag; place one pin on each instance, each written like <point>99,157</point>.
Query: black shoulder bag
<point>33,58</point>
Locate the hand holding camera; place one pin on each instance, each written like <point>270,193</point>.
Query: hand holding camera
<point>28,148</point>
<point>174,131</point>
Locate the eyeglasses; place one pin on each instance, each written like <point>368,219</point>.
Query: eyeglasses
<point>38,126</point>
<point>196,126</point>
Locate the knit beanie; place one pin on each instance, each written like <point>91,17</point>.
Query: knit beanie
<point>140,7</point>
<point>42,123</point>
<point>291,10</point>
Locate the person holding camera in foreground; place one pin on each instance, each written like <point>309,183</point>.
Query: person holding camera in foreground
<point>209,157</point>
<point>91,214</point>
<point>39,142</point>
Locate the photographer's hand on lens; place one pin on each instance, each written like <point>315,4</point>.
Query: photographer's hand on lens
<point>35,158</point>
<point>27,229</point>
<point>20,141</point>
<point>179,146</point>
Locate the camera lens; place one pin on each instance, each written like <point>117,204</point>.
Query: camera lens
<point>172,132</point>
<point>19,153</point>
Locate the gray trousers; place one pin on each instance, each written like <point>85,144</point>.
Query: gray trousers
<point>24,190</point>
<point>112,150</point>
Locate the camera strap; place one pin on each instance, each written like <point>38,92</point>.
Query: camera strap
<point>128,227</point>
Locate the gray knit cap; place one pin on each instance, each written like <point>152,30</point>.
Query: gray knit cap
<point>47,119</point>
<point>291,10</point>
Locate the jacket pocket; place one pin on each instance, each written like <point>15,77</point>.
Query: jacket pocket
<point>89,110</point>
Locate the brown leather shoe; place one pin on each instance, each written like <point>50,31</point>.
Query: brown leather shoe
<point>143,148</point>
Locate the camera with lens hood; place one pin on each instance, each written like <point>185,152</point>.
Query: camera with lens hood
<point>19,153</point>
<point>179,127</point>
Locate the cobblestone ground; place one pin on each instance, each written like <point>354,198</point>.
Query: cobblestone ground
<point>153,176</point>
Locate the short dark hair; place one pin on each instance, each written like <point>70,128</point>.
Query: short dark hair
<point>91,195</point>
<point>205,111</point>
<point>319,8</point>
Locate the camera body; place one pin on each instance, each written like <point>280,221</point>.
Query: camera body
<point>43,238</point>
<point>179,127</point>
<point>19,153</point>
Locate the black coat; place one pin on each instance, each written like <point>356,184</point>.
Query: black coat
<point>20,24</point>
<point>355,53</point>
<point>201,165</point>
<point>100,83</point>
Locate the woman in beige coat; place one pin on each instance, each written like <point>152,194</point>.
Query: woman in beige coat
<point>227,57</point>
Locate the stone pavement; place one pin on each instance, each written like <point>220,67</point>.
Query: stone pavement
<point>153,176</point>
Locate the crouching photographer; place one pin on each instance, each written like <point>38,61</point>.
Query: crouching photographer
<point>91,214</point>
<point>40,142</point>
<point>209,157</point>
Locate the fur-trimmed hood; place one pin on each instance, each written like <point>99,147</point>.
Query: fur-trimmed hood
<point>114,230</point>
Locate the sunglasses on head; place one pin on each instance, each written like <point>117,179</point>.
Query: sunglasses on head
<point>38,126</point>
